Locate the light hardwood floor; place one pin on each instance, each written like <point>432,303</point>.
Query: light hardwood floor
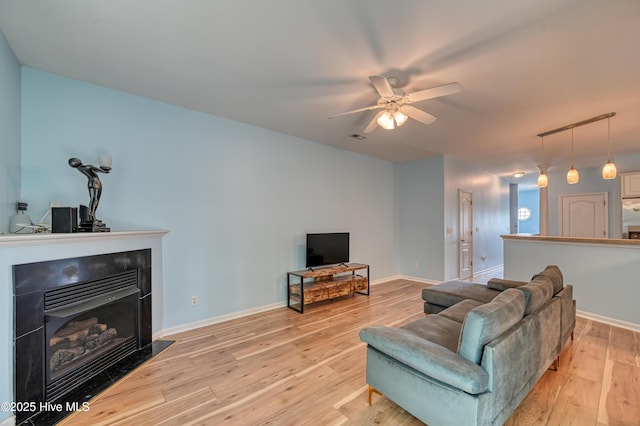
<point>283,368</point>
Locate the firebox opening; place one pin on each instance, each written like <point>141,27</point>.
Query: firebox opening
<point>76,340</point>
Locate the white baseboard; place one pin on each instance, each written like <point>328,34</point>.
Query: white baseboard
<point>405,277</point>
<point>9,421</point>
<point>216,320</point>
<point>610,321</point>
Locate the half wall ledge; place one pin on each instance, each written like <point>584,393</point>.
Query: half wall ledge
<point>603,271</point>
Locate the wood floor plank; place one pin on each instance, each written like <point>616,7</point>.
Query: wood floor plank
<point>620,396</point>
<point>284,368</point>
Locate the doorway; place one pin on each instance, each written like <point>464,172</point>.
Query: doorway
<point>465,208</point>
<point>584,215</point>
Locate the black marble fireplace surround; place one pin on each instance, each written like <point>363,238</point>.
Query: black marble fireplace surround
<point>109,294</point>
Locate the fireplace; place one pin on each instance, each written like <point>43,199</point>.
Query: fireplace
<point>80,323</point>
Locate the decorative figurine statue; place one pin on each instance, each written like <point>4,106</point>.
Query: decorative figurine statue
<point>91,223</point>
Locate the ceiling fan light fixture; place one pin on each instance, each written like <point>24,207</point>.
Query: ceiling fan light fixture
<point>400,118</point>
<point>385,120</point>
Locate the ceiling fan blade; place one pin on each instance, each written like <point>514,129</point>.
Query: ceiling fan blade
<point>382,86</point>
<point>372,124</point>
<point>356,110</point>
<point>435,92</point>
<point>418,114</point>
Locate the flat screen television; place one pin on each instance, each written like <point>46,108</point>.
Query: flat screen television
<point>327,249</point>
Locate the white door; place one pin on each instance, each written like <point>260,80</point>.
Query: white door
<point>465,203</point>
<point>584,215</point>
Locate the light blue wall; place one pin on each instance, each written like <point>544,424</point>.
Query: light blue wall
<point>490,215</point>
<point>238,199</point>
<point>428,223</point>
<point>530,198</point>
<point>9,133</point>
<point>419,193</point>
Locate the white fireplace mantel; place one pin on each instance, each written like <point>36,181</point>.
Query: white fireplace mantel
<point>16,249</point>
<point>16,240</point>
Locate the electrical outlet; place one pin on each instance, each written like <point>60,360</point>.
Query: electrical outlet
<point>416,265</point>
<point>194,300</point>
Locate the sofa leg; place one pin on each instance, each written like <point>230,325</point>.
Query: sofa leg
<point>371,391</point>
<point>572,335</point>
<point>556,364</point>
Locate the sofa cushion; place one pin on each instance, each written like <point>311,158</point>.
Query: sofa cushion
<point>486,322</point>
<point>554,274</point>
<point>536,293</point>
<point>502,284</point>
<point>458,311</point>
<point>437,329</point>
<point>451,292</point>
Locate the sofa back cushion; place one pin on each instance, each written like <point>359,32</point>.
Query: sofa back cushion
<point>536,293</point>
<point>486,322</point>
<point>555,276</point>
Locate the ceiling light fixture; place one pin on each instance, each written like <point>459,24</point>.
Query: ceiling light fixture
<point>609,170</point>
<point>573,176</point>
<point>543,180</point>
<point>391,117</point>
<point>518,175</point>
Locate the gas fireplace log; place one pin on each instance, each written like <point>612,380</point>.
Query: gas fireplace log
<point>96,340</point>
<point>63,356</point>
<point>65,340</point>
<point>97,328</point>
<point>69,341</point>
<point>73,326</point>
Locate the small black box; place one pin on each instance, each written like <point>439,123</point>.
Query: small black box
<point>64,219</point>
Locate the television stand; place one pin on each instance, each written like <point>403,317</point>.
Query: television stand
<point>325,283</point>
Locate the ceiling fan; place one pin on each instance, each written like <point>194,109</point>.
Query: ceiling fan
<point>396,105</point>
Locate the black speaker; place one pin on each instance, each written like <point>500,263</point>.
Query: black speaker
<point>64,219</point>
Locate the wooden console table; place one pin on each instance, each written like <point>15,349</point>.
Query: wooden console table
<point>326,283</point>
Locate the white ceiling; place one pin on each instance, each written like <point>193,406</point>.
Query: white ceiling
<point>525,66</point>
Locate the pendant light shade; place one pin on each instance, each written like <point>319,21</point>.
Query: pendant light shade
<point>573,176</point>
<point>543,180</point>
<point>609,170</point>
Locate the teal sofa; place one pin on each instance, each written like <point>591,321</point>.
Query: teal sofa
<point>442,296</point>
<point>472,363</point>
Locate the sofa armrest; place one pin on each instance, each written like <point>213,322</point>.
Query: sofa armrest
<point>501,284</point>
<point>427,357</point>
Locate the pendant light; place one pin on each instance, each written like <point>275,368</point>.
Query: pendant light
<point>573,176</point>
<point>609,170</point>
<point>543,180</point>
